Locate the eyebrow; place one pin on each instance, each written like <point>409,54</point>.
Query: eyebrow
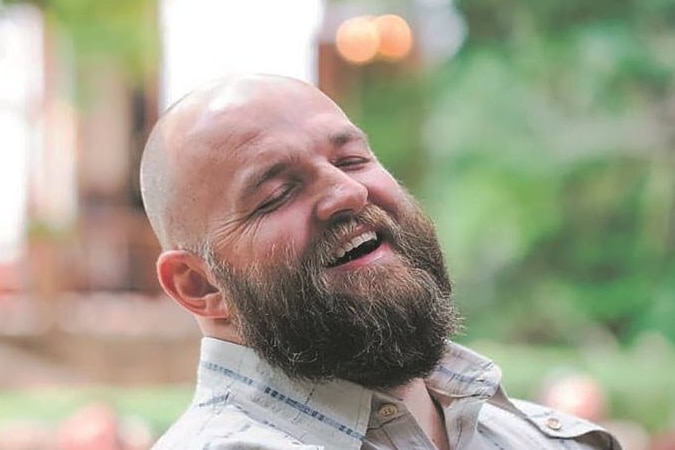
<point>343,137</point>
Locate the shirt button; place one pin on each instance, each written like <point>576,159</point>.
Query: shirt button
<point>553,423</point>
<point>388,410</point>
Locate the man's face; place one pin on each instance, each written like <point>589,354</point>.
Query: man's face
<point>331,268</point>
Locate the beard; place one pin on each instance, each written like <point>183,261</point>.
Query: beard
<point>379,325</point>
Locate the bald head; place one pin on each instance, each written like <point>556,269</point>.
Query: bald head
<point>186,152</point>
<point>262,193</point>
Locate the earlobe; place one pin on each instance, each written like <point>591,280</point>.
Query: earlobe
<point>184,277</point>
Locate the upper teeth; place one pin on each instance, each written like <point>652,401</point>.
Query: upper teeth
<point>355,242</point>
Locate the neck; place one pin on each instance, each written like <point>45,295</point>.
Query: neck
<point>423,408</point>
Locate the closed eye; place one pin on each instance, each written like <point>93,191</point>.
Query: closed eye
<point>351,162</point>
<point>276,199</point>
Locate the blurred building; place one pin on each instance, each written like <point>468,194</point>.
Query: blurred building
<point>75,128</point>
<point>73,218</point>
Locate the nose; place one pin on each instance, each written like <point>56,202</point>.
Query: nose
<point>340,195</point>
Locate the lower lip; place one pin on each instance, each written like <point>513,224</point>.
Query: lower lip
<point>380,253</point>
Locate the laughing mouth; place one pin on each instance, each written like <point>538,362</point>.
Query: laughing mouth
<point>356,247</point>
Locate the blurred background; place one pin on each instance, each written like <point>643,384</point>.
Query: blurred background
<point>540,136</point>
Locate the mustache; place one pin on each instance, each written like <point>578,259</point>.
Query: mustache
<point>321,251</point>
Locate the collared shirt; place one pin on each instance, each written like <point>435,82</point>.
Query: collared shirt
<point>241,402</point>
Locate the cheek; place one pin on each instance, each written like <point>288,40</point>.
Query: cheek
<point>386,192</point>
<point>284,234</point>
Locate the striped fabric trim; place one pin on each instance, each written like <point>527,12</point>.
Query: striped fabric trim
<point>295,404</point>
<point>465,379</point>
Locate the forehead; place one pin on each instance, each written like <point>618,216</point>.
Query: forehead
<point>240,132</point>
<point>244,120</point>
<point>237,113</point>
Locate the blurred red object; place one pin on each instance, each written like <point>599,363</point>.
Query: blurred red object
<point>9,277</point>
<point>663,441</point>
<point>576,394</point>
<point>95,426</point>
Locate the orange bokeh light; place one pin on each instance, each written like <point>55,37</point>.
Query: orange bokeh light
<point>357,39</point>
<point>395,36</point>
<point>360,39</point>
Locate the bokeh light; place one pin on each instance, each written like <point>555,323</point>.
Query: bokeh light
<point>357,39</point>
<point>395,36</point>
<point>362,39</point>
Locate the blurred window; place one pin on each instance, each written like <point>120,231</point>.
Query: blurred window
<point>20,95</point>
<point>203,40</point>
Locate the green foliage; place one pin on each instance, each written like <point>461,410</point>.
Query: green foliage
<point>560,160</point>
<point>123,31</point>
<point>158,406</point>
<point>648,402</point>
<point>546,155</point>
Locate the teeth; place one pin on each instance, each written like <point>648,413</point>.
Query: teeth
<point>355,242</point>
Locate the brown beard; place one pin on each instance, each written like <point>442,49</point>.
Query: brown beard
<point>380,326</point>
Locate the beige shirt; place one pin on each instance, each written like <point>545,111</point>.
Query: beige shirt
<point>243,403</point>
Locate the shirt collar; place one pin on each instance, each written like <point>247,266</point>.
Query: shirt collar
<point>334,414</point>
<point>464,373</point>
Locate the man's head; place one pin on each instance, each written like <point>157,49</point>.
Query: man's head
<point>282,231</point>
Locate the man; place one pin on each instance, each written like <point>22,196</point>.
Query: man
<point>319,286</point>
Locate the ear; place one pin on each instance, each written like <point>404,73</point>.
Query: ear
<point>186,278</point>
